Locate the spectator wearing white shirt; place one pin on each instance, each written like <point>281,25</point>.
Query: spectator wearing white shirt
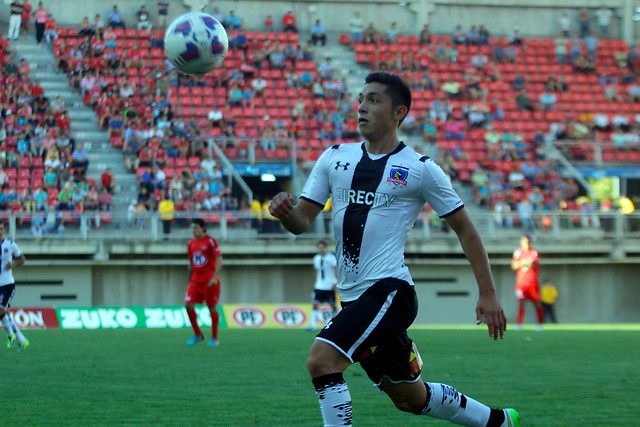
<point>259,84</point>
<point>565,24</point>
<point>356,27</point>
<point>215,117</point>
<point>604,16</point>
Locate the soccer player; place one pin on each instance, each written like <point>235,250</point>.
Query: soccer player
<point>12,257</point>
<point>206,264</point>
<point>324,262</point>
<point>378,188</point>
<point>526,263</point>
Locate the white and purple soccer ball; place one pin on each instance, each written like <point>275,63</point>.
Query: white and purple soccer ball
<point>196,43</point>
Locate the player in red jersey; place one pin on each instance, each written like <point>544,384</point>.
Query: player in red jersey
<point>204,285</point>
<point>526,263</point>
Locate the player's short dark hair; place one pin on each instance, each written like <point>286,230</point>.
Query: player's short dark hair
<point>323,242</point>
<point>397,89</point>
<point>200,222</point>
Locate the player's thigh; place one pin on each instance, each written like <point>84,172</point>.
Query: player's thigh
<point>212,295</point>
<point>380,314</point>
<point>6,295</point>
<point>195,293</point>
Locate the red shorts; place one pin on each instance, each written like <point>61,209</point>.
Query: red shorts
<point>528,292</point>
<point>199,292</point>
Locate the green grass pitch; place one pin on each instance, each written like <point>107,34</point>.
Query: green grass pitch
<point>582,376</point>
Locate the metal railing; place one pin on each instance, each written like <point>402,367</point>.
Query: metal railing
<point>245,226</point>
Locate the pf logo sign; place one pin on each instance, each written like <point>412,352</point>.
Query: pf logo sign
<point>249,317</point>
<point>290,317</point>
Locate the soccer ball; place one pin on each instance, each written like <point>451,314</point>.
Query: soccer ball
<point>196,43</point>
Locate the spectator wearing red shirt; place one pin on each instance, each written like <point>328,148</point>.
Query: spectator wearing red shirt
<point>107,180</point>
<point>26,17</point>
<point>289,22</point>
<point>50,26</point>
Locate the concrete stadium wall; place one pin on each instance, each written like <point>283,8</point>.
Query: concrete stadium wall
<point>535,18</point>
<point>589,292</point>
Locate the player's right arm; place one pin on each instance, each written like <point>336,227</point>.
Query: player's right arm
<point>295,218</point>
<point>515,264</point>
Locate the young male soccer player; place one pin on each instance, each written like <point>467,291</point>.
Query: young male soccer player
<point>12,257</point>
<point>206,264</point>
<point>324,262</point>
<point>378,188</point>
<point>526,264</point>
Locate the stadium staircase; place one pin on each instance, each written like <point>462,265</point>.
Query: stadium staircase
<point>84,125</point>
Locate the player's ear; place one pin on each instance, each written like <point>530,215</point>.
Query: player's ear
<point>401,112</point>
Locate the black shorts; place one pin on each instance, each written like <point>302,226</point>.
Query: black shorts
<point>372,330</point>
<point>320,296</point>
<point>6,294</point>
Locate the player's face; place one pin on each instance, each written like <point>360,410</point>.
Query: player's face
<point>322,249</point>
<point>2,231</point>
<point>524,243</point>
<point>198,232</point>
<point>376,117</point>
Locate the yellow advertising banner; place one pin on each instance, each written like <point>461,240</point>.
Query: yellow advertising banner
<point>273,315</point>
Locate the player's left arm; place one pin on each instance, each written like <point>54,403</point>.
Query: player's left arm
<point>216,273</point>
<point>488,304</point>
<point>16,262</point>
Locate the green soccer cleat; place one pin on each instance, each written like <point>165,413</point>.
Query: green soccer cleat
<point>23,346</point>
<point>195,340</point>
<point>213,342</point>
<point>11,341</point>
<point>511,418</point>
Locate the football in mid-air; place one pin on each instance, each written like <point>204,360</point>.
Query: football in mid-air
<point>196,43</point>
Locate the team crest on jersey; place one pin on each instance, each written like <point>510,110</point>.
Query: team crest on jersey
<point>398,175</point>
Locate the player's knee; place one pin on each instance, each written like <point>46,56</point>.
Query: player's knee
<point>409,405</point>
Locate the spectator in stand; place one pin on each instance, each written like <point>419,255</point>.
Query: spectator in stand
<point>561,48</point>
<point>425,35</point>
<point>163,14</point>
<point>452,89</point>
<point>584,22</point>
<point>269,24</point>
<point>633,93</point>
<point>15,20</point>
<point>97,26</point>
<point>454,129</point>
<point>235,97</point>
<point>547,101</point>
<point>524,102</point>
<point>80,158</point>
<point>440,109</point>
<point>40,15</point>
<point>525,215</point>
<point>26,17</point>
<point>216,13</point>
<point>392,33</point>
<point>166,209</point>
<point>115,18</point>
<point>143,19</point>
<point>289,22</point>
<point>611,93</point>
<point>459,35</point>
<point>326,69</point>
<point>515,39</point>
<point>565,25</point>
<point>473,36</point>
<point>604,15</point>
<point>502,214</point>
<point>276,57</point>
<point>50,26</point>
<point>105,200</point>
<point>318,34</point>
<point>259,84</point>
<point>356,28</point>
<point>370,34</point>
<point>215,117</point>
<point>233,21</point>
<point>584,65</point>
<point>591,43</point>
<point>483,39</point>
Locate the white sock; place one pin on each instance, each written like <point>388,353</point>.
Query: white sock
<point>21,338</point>
<point>314,318</point>
<point>334,398</point>
<point>6,323</point>
<point>447,403</point>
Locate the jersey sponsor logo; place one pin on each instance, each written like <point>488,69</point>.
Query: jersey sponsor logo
<point>362,197</point>
<point>398,175</point>
<point>344,167</point>
<point>249,317</point>
<point>290,317</point>
<point>199,259</point>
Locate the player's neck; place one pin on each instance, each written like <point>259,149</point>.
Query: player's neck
<point>382,146</point>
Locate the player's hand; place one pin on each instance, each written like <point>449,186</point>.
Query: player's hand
<point>490,311</point>
<point>213,281</point>
<point>8,266</point>
<point>282,205</point>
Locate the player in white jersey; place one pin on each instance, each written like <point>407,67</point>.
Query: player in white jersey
<point>378,187</point>
<point>324,262</point>
<point>12,257</point>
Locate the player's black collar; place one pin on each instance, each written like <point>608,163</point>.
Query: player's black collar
<point>366,154</point>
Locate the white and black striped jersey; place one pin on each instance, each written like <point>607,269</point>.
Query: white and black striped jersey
<point>10,251</point>
<point>376,200</point>
<point>325,273</point>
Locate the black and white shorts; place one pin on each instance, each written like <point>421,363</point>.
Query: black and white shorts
<point>320,296</point>
<point>372,330</point>
<point>6,294</point>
